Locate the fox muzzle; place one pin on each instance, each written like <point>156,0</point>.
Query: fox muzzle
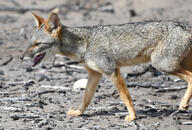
<point>25,52</point>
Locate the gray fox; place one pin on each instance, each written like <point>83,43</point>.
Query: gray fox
<point>104,49</point>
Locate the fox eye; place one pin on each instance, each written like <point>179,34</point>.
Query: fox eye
<point>37,44</point>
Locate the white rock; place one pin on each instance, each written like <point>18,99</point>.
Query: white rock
<point>187,123</point>
<point>80,84</point>
<point>177,80</point>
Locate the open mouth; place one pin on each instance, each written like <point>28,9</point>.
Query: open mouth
<point>38,59</point>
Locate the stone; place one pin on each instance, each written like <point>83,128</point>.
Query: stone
<point>80,84</point>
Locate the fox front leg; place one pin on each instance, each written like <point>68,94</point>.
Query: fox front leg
<point>118,81</point>
<point>93,80</point>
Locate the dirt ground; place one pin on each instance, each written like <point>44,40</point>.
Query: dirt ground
<point>38,98</point>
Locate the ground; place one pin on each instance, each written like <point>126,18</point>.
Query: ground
<point>38,98</point>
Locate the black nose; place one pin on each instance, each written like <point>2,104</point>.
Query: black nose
<point>22,57</point>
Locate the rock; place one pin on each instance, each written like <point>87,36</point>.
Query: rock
<point>15,117</point>
<point>121,114</point>
<point>187,123</point>
<point>1,42</point>
<point>2,84</point>
<point>132,12</point>
<point>107,7</point>
<point>42,123</point>
<point>22,31</point>
<point>1,72</point>
<point>173,97</point>
<point>177,80</point>
<point>29,69</point>
<point>30,83</point>
<point>95,127</point>
<point>80,84</point>
<point>43,77</point>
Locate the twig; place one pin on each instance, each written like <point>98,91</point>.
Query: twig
<point>7,61</point>
<point>150,68</point>
<point>171,89</point>
<point>72,64</point>
<point>66,71</point>
<point>9,93</point>
<point>143,85</point>
<point>19,116</point>
<point>51,91</point>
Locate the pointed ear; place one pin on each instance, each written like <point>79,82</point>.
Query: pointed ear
<point>38,20</point>
<point>53,22</point>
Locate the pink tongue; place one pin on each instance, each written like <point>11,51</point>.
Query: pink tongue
<point>38,59</point>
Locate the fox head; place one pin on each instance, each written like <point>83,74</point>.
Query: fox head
<point>47,34</point>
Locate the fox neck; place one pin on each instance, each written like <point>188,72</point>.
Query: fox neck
<point>74,42</point>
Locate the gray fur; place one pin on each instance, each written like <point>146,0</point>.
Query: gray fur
<point>164,43</point>
<point>110,46</point>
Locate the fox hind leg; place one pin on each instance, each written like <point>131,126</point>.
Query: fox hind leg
<point>187,76</point>
<point>93,80</point>
<point>180,68</point>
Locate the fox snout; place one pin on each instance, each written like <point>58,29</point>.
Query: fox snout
<point>37,55</point>
<point>23,55</point>
<point>26,52</point>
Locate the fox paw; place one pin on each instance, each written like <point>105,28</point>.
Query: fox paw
<point>183,107</point>
<point>73,112</point>
<point>130,117</point>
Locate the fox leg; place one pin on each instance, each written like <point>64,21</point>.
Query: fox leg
<point>187,76</point>
<point>118,81</point>
<point>93,80</point>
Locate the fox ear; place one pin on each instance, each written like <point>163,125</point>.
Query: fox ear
<point>53,22</point>
<point>38,20</point>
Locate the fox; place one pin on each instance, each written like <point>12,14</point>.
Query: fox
<point>103,49</point>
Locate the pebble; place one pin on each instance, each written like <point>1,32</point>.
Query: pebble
<point>42,123</point>
<point>173,97</point>
<point>177,80</point>
<point>80,84</point>
<point>132,12</point>
<point>1,72</point>
<point>95,127</point>
<point>106,8</point>
<point>43,77</point>
<point>29,69</point>
<point>187,123</point>
<point>121,114</point>
<point>30,83</point>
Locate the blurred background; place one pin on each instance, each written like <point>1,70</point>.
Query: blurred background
<point>35,98</point>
